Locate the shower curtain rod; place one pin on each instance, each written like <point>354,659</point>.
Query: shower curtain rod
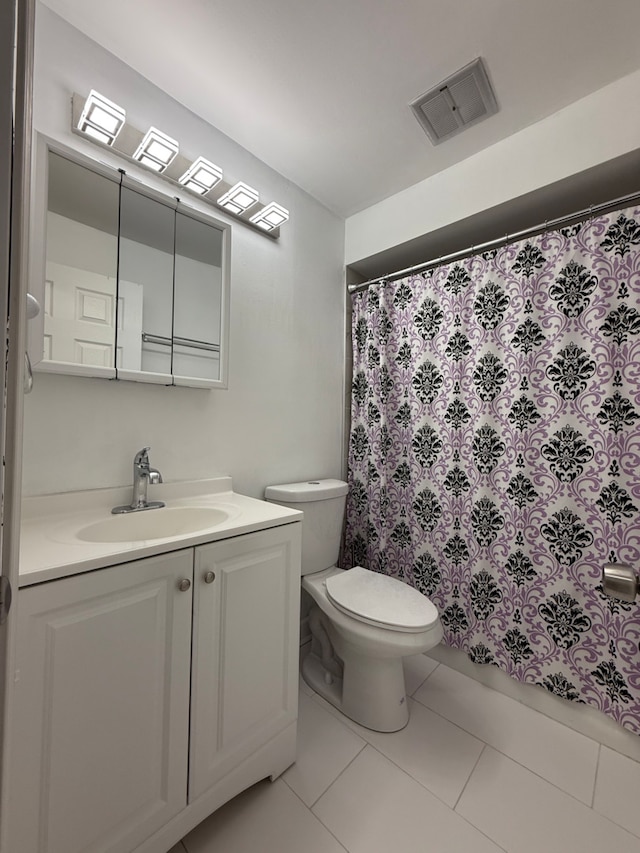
<point>508,238</point>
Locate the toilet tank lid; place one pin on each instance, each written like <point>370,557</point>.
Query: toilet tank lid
<point>310,490</point>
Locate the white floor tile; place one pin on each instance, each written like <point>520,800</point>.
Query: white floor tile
<point>580,717</point>
<point>556,752</point>
<point>525,814</point>
<point>373,807</point>
<point>618,789</point>
<point>416,669</point>
<point>437,753</point>
<point>325,747</point>
<point>268,818</point>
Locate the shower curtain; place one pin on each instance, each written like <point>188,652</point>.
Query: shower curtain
<point>494,458</point>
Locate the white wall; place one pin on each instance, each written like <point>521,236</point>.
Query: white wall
<point>594,130</point>
<point>281,418</point>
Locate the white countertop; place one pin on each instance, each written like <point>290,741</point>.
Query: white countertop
<point>50,547</point>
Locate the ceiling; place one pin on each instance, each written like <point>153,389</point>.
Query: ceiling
<point>319,90</point>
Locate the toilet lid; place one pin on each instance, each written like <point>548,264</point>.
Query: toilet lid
<point>380,600</point>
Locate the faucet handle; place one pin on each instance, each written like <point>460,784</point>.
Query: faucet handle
<point>142,456</point>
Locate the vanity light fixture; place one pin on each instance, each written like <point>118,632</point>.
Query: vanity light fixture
<point>271,216</point>
<point>239,198</point>
<point>157,150</point>
<point>201,176</point>
<point>101,118</point>
<point>103,122</point>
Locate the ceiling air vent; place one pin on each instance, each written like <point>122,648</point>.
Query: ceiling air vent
<point>461,100</point>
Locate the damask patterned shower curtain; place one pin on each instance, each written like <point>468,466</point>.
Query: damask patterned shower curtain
<point>494,456</point>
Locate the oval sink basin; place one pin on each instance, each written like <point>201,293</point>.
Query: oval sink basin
<point>160,523</point>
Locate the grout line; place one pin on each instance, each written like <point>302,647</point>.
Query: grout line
<point>618,731</point>
<point>311,812</point>
<point>528,709</point>
<point>293,791</point>
<point>424,679</point>
<point>451,722</point>
<point>316,816</point>
<point>313,805</point>
<point>485,744</point>
<point>309,809</point>
<point>439,798</point>
<point>411,776</point>
<point>539,776</point>
<point>464,787</point>
<point>595,778</point>
<point>336,714</point>
<point>511,758</point>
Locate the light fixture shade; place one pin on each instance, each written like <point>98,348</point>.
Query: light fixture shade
<point>239,198</point>
<point>101,118</point>
<point>271,216</point>
<point>201,176</point>
<point>157,150</point>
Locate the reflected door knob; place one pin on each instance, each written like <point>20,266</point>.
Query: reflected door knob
<point>209,577</point>
<point>184,584</point>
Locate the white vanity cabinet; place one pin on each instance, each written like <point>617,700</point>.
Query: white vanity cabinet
<point>245,650</point>
<point>151,692</point>
<point>99,758</point>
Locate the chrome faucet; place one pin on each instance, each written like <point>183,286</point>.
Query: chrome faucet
<point>143,474</point>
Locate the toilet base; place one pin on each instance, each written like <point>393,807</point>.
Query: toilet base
<point>372,692</point>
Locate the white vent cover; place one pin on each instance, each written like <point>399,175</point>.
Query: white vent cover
<point>458,102</point>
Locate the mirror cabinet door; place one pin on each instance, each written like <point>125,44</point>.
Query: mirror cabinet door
<point>135,283</point>
<point>198,299</point>
<point>80,269</point>
<point>145,288</point>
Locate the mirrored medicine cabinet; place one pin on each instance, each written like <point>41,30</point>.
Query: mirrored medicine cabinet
<point>134,283</point>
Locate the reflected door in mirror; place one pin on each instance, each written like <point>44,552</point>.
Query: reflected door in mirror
<point>81,266</point>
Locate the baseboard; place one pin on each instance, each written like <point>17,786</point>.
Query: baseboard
<point>582,718</point>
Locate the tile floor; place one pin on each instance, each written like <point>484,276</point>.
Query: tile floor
<point>474,772</point>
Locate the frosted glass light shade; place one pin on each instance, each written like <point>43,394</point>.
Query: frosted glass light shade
<point>271,216</point>
<point>157,150</point>
<point>101,118</point>
<point>201,176</point>
<point>239,198</point>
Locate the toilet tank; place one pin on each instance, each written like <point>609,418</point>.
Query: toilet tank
<point>322,502</point>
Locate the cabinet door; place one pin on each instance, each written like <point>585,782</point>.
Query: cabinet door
<point>245,649</point>
<point>99,760</point>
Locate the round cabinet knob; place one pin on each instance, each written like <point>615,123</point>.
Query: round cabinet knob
<point>184,584</point>
<point>209,577</point>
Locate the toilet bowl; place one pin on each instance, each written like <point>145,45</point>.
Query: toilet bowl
<point>362,623</point>
<point>371,690</point>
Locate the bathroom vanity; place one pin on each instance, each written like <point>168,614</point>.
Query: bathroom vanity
<point>155,678</point>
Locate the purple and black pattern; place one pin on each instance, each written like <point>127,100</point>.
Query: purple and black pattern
<point>494,453</point>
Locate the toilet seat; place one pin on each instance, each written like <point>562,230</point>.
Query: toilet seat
<point>380,600</point>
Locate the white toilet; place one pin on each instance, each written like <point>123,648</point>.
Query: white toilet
<point>363,623</point>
